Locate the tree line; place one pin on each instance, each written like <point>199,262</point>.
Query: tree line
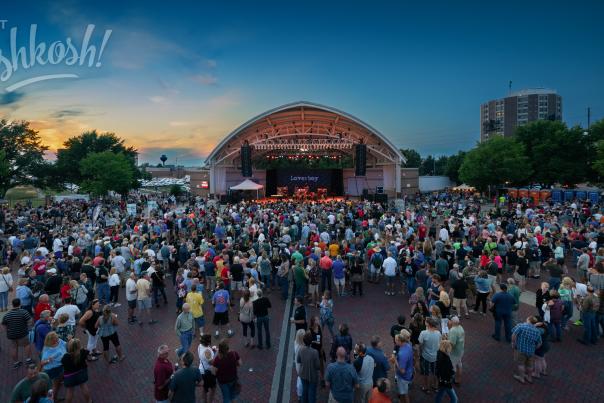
<point>96,162</point>
<point>542,152</point>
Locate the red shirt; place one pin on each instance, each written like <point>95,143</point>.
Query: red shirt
<point>224,275</point>
<point>226,367</point>
<point>65,292</point>
<point>162,372</point>
<point>40,307</point>
<point>325,263</point>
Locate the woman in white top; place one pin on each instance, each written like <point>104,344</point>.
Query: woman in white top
<point>206,356</point>
<point>299,343</point>
<point>253,289</point>
<point>6,284</point>
<point>114,287</point>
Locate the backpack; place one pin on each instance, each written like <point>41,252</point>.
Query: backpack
<point>376,260</point>
<point>31,335</point>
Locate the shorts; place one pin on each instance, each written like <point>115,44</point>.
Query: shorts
<point>390,280</point>
<point>144,303</point>
<point>339,281</point>
<point>200,321</point>
<point>75,379</point>
<point>402,386</point>
<point>22,342</point>
<point>209,380</point>
<point>313,289</point>
<point>111,338</point>
<point>426,367</point>
<point>221,318</point>
<point>237,285</point>
<point>55,373</point>
<point>132,304</point>
<point>456,361</point>
<point>523,359</point>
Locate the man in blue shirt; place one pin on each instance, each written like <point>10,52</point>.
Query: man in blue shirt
<point>403,364</point>
<point>503,304</point>
<point>341,378</point>
<point>382,366</point>
<point>526,338</point>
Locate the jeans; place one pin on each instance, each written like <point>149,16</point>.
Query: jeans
<point>284,284</point>
<point>309,392</point>
<point>357,285</point>
<point>326,278</point>
<point>507,323</point>
<point>590,329</point>
<point>186,338</point>
<point>411,286</point>
<point>600,323</point>
<point>568,312</point>
<point>448,391</point>
<point>114,291</point>
<point>102,292</point>
<point>481,298</point>
<point>266,279</point>
<point>557,326</point>
<point>262,321</point>
<point>3,300</point>
<point>156,292</point>
<point>228,392</point>
<point>554,283</point>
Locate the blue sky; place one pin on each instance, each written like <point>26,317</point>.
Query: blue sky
<point>176,77</point>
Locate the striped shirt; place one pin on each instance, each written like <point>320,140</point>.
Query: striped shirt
<point>16,322</point>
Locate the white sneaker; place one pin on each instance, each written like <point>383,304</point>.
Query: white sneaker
<point>217,334</point>
<point>116,305</point>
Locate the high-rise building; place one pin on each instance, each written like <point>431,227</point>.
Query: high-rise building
<point>502,116</point>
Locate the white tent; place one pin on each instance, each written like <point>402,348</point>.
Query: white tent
<point>248,185</point>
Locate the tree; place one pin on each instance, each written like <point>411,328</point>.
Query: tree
<point>428,166</point>
<point>176,190</point>
<point>23,154</point>
<point>414,160</point>
<point>595,153</point>
<point>500,160</point>
<point>598,165</point>
<point>106,171</point>
<point>4,170</point>
<point>557,153</point>
<point>76,149</point>
<point>453,165</point>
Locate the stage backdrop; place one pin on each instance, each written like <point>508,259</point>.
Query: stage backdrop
<point>331,179</point>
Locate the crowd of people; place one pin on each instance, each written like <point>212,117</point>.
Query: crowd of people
<point>67,266</point>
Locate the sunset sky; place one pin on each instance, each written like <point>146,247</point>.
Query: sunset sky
<point>176,77</point>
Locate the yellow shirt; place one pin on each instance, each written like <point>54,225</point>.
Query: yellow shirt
<point>143,286</point>
<point>334,249</point>
<point>195,301</point>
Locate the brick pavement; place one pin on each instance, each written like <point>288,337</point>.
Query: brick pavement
<point>575,370</point>
<point>132,380</point>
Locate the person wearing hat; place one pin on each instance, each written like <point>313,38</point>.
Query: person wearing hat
<point>502,304</point>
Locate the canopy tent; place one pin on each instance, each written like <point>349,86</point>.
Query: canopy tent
<point>464,188</point>
<point>248,185</point>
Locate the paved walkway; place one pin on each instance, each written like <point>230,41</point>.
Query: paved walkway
<point>268,376</point>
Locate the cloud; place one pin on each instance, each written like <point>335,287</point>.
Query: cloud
<point>66,113</point>
<point>158,99</point>
<point>205,79</point>
<point>180,123</point>
<point>210,63</point>
<point>11,98</point>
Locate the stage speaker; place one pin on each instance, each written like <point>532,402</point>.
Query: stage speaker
<point>360,160</point>
<point>246,160</point>
<point>379,190</point>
